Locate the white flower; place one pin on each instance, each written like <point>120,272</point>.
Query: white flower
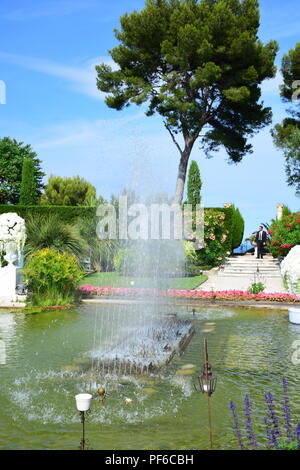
<point>12,231</point>
<point>128,401</point>
<point>290,267</point>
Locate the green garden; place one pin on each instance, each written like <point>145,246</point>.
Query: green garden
<point>120,311</point>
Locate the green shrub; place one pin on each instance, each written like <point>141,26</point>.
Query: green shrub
<point>256,288</point>
<point>151,258</point>
<point>123,260</point>
<point>52,277</point>
<point>51,232</point>
<point>285,234</point>
<point>238,228</point>
<point>29,192</point>
<point>194,185</point>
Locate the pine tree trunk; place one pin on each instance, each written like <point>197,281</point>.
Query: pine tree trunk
<point>182,171</point>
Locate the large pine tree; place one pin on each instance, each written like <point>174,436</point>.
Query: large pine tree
<point>287,134</point>
<point>199,65</point>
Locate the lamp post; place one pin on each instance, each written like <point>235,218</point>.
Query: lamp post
<point>83,403</point>
<point>206,383</point>
<point>213,292</point>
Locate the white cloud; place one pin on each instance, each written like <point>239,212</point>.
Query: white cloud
<point>81,79</point>
<point>271,86</point>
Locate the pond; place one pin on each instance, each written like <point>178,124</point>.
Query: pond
<point>45,360</point>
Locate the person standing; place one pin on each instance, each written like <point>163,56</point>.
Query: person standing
<point>261,240</point>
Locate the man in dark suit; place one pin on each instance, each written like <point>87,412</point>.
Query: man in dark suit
<point>261,240</point>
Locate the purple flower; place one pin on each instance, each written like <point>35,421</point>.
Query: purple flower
<point>272,414</point>
<point>286,411</point>
<point>297,435</point>
<point>237,425</point>
<point>249,430</point>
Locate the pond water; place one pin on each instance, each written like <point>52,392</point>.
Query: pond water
<point>45,359</point>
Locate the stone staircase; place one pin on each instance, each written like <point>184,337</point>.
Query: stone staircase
<point>249,266</point>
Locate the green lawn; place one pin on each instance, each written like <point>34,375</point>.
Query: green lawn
<point>116,280</point>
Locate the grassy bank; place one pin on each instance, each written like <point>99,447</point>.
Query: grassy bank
<point>116,280</point>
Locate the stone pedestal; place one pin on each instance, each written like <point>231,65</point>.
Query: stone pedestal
<point>8,281</point>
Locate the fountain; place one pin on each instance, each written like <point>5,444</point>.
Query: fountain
<point>12,240</point>
<point>149,340</point>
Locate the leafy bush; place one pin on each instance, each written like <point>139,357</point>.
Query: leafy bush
<point>216,238</point>
<point>256,288</point>
<point>74,191</point>
<point>238,228</point>
<point>52,277</point>
<point>285,234</point>
<point>50,232</point>
<point>151,258</point>
<point>123,260</point>
<point>12,156</point>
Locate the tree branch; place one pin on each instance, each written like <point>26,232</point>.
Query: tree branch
<point>173,138</point>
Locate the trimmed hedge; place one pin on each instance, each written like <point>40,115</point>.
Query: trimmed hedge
<point>234,222</point>
<point>238,229</point>
<point>67,214</point>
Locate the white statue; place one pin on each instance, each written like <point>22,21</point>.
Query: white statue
<point>12,240</point>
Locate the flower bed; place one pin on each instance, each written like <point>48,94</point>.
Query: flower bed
<point>285,234</point>
<point>89,291</point>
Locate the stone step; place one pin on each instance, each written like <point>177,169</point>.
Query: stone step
<point>271,276</point>
<point>250,273</point>
<point>253,265</point>
<point>249,270</point>
<point>247,266</point>
<point>253,268</point>
<point>252,260</point>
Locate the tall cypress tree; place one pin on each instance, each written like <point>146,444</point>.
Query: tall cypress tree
<point>28,193</point>
<point>194,185</point>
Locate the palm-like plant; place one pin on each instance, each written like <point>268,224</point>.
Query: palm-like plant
<point>101,252</point>
<point>49,231</point>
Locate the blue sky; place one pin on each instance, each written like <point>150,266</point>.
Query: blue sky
<point>48,51</point>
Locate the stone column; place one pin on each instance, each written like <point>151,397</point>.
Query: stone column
<point>280,211</point>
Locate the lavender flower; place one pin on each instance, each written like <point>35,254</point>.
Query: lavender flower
<point>286,411</point>
<point>249,430</point>
<point>297,435</point>
<point>236,425</point>
<point>272,439</point>
<point>273,417</point>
